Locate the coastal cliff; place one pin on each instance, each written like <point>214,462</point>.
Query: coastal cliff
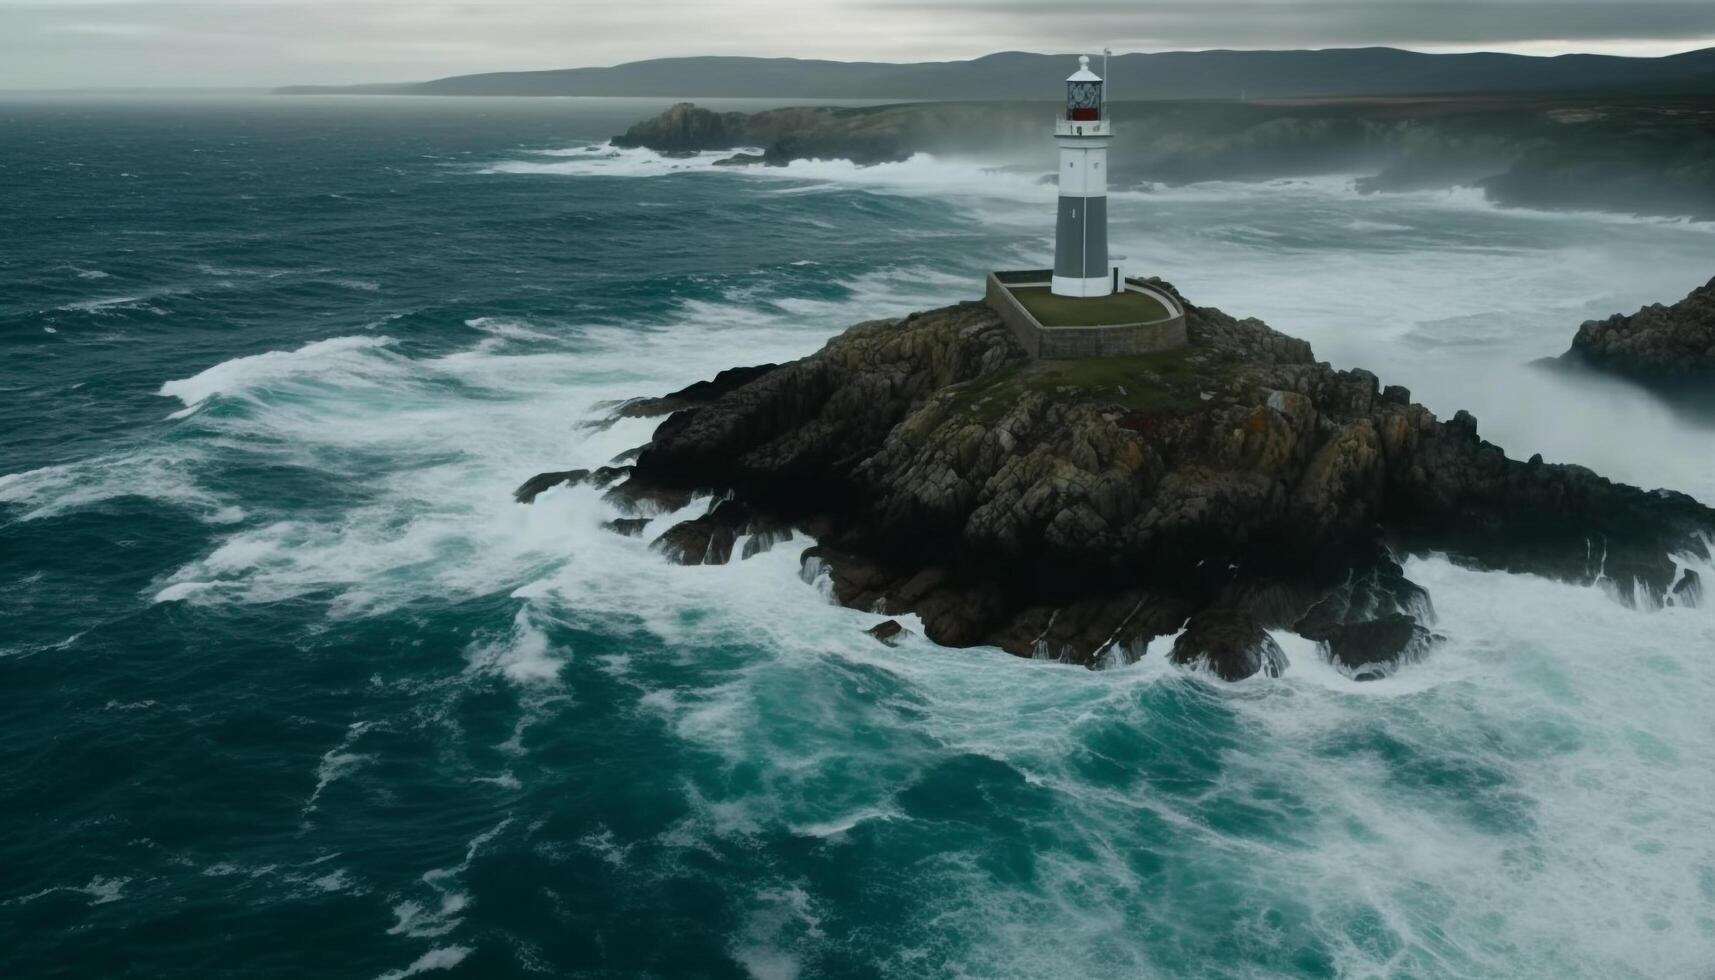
<point>1077,510</point>
<point>1668,348</point>
<point>1648,156</point>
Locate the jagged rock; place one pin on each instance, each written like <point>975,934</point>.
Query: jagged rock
<point>607,476</point>
<point>1097,631</point>
<point>1688,591</point>
<point>763,539</point>
<point>698,542</point>
<point>1076,510</point>
<point>1644,157</point>
<point>861,135</point>
<point>1230,644</point>
<point>706,540</point>
<point>1367,651</point>
<point>742,160</point>
<point>889,632</point>
<point>630,527</point>
<point>683,129</point>
<point>1659,345</point>
<point>640,498</point>
<point>543,482</point>
<point>700,393</point>
<point>1379,591</point>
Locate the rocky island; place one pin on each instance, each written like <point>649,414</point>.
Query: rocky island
<point>1669,349</point>
<point>1078,510</point>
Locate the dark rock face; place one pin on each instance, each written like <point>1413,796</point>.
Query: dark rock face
<point>1661,346</point>
<point>706,540</point>
<point>684,128</point>
<point>543,482</point>
<point>711,538</point>
<point>699,393</point>
<point>1689,590</point>
<point>1371,650</point>
<point>1645,157</point>
<point>1229,643</point>
<point>629,527</point>
<point>641,499</point>
<point>888,632</point>
<point>1079,510</point>
<point>863,136</point>
<point>607,476</point>
<point>742,160</point>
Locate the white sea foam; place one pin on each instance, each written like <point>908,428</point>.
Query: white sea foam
<point>161,473</point>
<point>444,910</point>
<point>338,762</point>
<point>526,655</point>
<point>439,958</point>
<point>130,301</point>
<point>506,328</point>
<point>99,891</point>
<point>344,360</point>
<point>609,161</point>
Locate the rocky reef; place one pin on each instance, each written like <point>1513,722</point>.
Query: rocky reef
<point>1668,348</point>
<point>1078,510</point>
<point>868,135</point>
<point>1643,155</point>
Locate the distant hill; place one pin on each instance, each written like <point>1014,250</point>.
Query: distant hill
<point>1020,75</point>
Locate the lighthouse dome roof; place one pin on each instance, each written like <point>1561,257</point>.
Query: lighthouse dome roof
<point>1084,74</point>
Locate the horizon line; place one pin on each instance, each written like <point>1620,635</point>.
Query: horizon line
<point>269,87</point>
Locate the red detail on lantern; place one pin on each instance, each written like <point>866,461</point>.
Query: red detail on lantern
<point>1084,115</point>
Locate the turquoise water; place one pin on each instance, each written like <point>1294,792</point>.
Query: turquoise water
<point>289,686</point>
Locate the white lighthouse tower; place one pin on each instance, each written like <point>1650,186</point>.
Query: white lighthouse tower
<point>1081,239</point>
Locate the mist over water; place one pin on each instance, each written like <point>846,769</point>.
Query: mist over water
<point>292,686</point>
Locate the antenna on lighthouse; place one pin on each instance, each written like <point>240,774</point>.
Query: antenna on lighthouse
<point>1106,52</point>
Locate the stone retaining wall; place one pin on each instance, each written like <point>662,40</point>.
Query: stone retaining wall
<point>1070,343</point>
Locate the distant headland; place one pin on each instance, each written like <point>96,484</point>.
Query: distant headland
<point>1639,155</point>
<point>1329,73</point>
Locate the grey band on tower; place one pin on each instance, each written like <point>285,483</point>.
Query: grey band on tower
<point>1081,238</point>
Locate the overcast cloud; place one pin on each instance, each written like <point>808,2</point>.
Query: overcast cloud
<point>238,43</point>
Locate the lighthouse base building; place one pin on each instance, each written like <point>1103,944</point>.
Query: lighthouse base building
<point>1085,306</point>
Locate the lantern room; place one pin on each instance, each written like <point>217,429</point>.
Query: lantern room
<point>1084,93</point>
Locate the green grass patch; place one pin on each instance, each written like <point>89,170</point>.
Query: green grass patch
<point>1168,381</point>
<point>1094,311</point>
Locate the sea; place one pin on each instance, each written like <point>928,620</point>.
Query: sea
<point>291,687</point>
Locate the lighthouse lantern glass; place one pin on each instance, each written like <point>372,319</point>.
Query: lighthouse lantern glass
<point>1084,101</point>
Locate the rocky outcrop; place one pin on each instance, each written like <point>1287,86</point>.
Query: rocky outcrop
<point>1633,156</point>
<point>1229,643</point>
<point>628,527</point>
<point>1373,649</point>
<point>1671,348</point>
<point>543,482</point>
<point>742,160</point>
<point>888,632</point>
<point>1080,510</point>
<point>686,128</point>
<point>864,136</point>
<point>700,393</point>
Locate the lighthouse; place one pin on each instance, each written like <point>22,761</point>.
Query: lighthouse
<point>1082,308</point>
<point>1081,238</point>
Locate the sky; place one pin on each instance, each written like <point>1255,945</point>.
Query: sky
<point>253,43</point>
